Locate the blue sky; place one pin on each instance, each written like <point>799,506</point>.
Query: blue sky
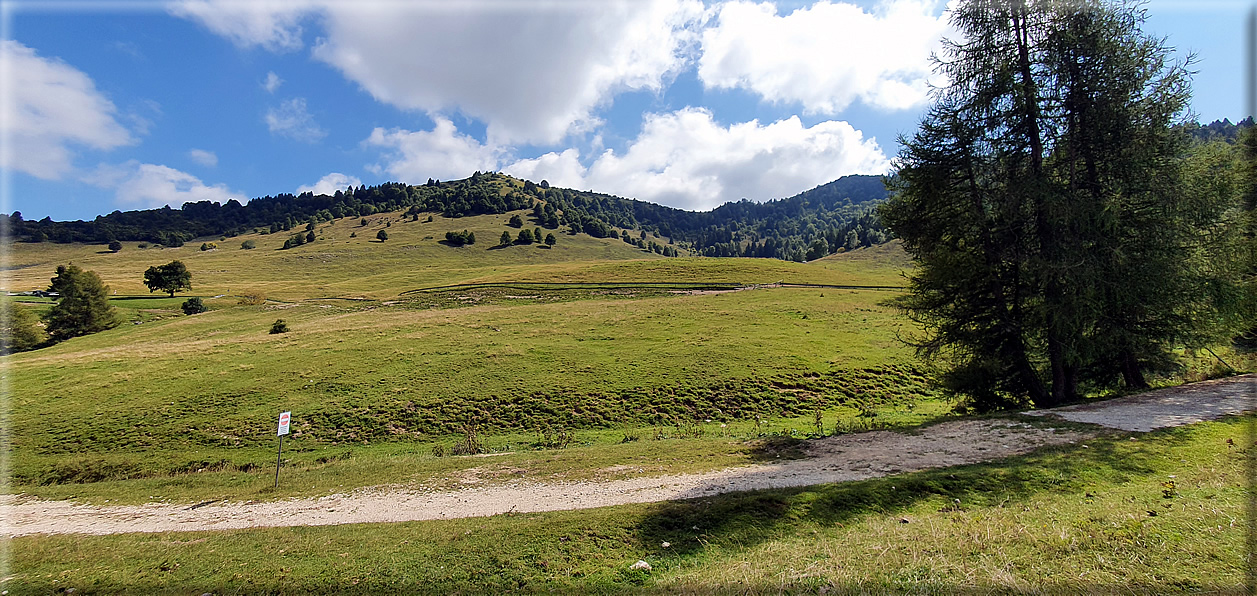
<point>137,105</point>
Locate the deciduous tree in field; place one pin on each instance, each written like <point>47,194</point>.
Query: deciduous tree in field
<point>171,277</point>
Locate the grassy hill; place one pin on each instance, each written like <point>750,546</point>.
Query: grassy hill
<point>347,261</point>
<point>372,363</point>
<point>561,383</point>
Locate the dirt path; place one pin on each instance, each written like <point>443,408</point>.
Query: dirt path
<point>834,459</point>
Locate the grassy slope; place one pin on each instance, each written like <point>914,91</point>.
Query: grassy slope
<point>1071,519</point>
<point>188,393</point>
<point>336,265</point>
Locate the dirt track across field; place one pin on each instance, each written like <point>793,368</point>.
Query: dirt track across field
<point>834,459</point>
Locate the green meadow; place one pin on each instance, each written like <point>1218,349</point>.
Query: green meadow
<point>383,375</point>
<point>569,363</point>
<point>1146,514</point>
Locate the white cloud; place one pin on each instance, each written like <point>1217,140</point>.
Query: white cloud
<point>685,159</point>
<point>203,157</point>
<point>292,120</point>
<point>145,186</point>
<point>827,55</point>
<point>532,72</point>
<point>50,107</point>
<point>271,24</point>
<point>272,82</point>
<point>329,184</point>
<point>441,153</point>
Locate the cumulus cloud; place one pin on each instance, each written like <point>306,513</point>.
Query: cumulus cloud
<point>687,160</point>
<point>145,186</point>
<point>292,120</point>
<point>329,184</point>
<point>203,157</point>
<point>272,82</point>
<point>51,107</point>
<point>825,56</point>
<point>271,24</point>
<point>533,72</point>
<point>440,153</point>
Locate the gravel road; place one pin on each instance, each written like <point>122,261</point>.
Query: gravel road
<point>834,459</point>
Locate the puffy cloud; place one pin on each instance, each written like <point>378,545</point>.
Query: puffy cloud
<point>271,24</point>
<point>292,120</point>
<point>440,153</point>
<point>559,169</point>
<point>532,72</point>
<point>329,184</point>
<point>145,186</point>
<point>685,159</point>
<point>827,55</point>
<point>272,82</point>
<point>50,107</point>
<point>203,157</point>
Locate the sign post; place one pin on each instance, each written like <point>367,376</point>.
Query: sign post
<point>284,418</point>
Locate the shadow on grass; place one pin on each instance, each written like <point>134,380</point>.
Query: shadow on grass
<point>749,518</point>
<point>124,298</point>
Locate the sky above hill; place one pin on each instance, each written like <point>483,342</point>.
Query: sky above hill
<point>117,106</point>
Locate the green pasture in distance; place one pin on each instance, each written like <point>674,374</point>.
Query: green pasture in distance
<point>1153,515</point>
<point>336,265</point>
<point>374,372</point>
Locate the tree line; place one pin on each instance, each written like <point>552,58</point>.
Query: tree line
<point>834,216</point>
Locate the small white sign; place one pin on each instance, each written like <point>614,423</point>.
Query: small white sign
<point>283,423</point>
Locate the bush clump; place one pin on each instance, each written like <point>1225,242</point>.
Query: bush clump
<point>460,238</point>
<point>193,306</point>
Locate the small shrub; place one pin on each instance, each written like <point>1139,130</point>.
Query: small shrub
<point>251,299</point>
<point>279,326</point>
<point>115,246</point>
<point>460,238</point>
<point>208,246</point>
<point>438,450</point>
<point>382,236</point>
<point>553,438</point>
<point>142,245</point>
<point>248,245</point>
<point>353,234</point>
<point>429,220</point>
<point>470,444</point>
<point>193,306</point>
<point>363,222</point>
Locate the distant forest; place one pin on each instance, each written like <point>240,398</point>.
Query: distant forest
<point>824,220</point>
<point>810,225</point>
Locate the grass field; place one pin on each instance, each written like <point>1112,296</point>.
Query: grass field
<point>374,369</point>
<point>1135,514</point>
<point>382,379</point>
<point>338,266</point>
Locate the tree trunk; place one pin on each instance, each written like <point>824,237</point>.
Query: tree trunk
<point>1056,357</point>
<point>1131,375</point>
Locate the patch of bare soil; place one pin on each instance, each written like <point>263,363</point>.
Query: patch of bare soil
<point>834,459</point>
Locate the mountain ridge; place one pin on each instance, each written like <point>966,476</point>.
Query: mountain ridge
<point>822,220</point>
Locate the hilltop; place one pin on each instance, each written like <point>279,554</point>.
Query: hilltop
<point>807,226</point>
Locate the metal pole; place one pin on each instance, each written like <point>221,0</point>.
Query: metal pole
<point>278,458</point>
